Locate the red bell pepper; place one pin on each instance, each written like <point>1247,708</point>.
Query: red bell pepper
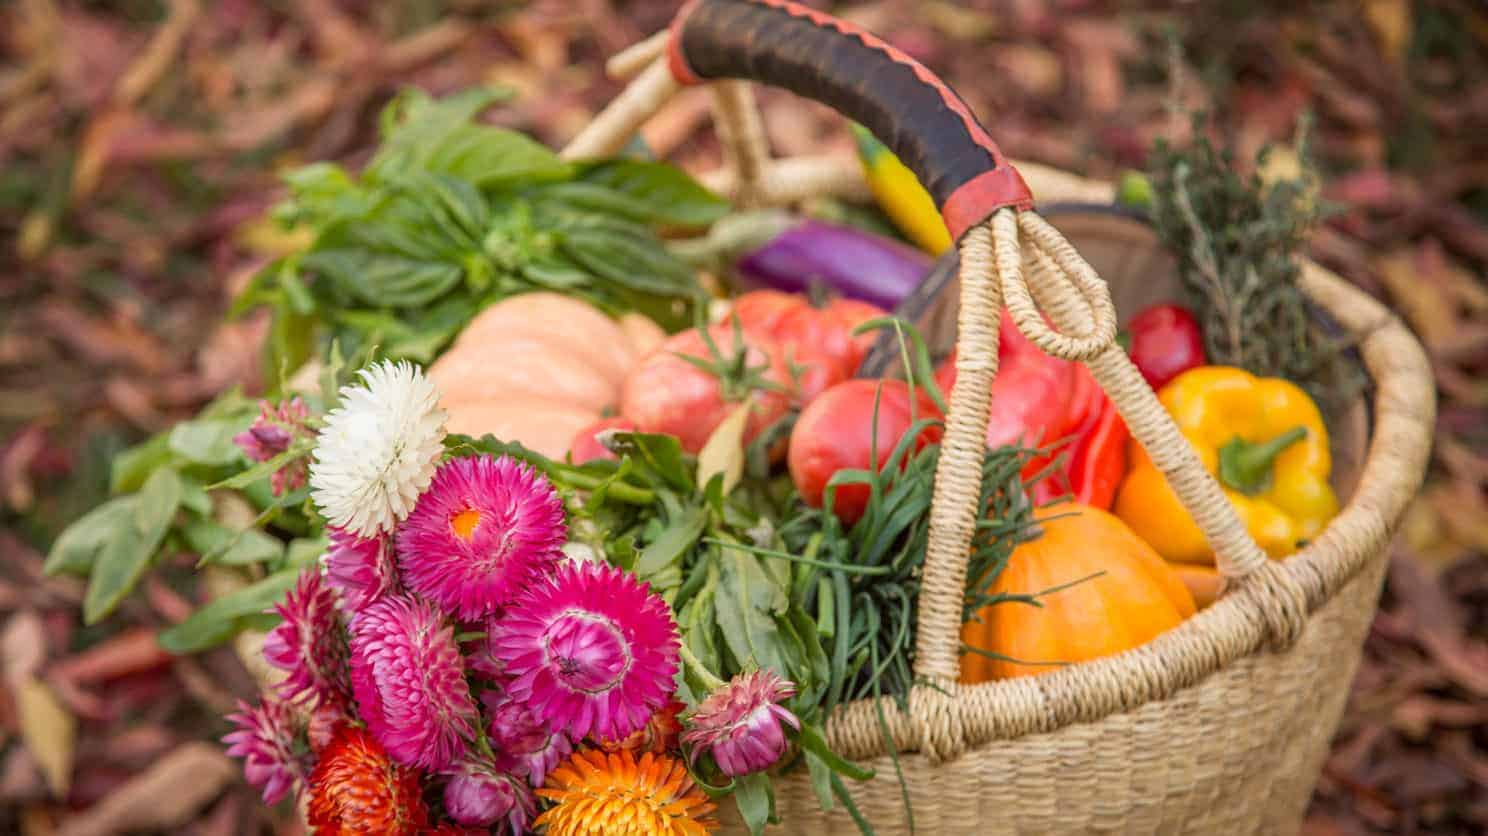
<point>1043,401</point>
<point>1165,342</point>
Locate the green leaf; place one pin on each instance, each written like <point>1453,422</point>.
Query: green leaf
<point>76,549</point>
<point>660,455</point>
<point>225,617</point>
<point>422,133</point>
<point>821,780</point>
<point>298,448</point>
<point>748,601</point>
<point>304,551</point>
<point>194,497</point>
<point>674,542</point>
<point>222,545</point>
<point>132,467</point>
<point>638,263</point>
<point>658,193</point>
<point>206,442</point>
<point>754,796</point>
<point>124,558</point>
<point>492,158</point>
<point>380,278</point>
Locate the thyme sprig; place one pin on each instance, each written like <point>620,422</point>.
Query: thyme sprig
<point>1237,240</point>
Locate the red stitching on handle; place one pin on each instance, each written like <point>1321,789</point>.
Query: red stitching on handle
<point>898,56</point>
<point>676,61</point>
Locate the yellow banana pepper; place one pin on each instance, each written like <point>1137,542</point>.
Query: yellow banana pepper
<point>1263,438</point>
<point>900,194</point>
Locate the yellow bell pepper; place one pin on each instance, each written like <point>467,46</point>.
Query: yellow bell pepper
<point>1263,438</point>
<point>900,194</point>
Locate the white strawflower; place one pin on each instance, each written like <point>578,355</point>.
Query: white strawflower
<point>378,449</point>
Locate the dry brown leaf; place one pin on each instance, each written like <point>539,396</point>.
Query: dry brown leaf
<point>724,451</point>
<point>129,652</point>
<point>48,730</point>
<point>164,797</point>
<point>1428,310</point>
<point>1392,25</point>
<point>23,646</point>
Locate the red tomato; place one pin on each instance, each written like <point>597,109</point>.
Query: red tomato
<point>849,314</point>
<point>1031,398</point>
<point>585,446</point>
<point>818,343</point>
<point>760,310</point>
<point>820,350</point>
<point>1165,342</point>
<point>667,394</point>
<point>837,432</point>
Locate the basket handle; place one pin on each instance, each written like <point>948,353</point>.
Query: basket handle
<point>820,57</point>
<point>983,201</point>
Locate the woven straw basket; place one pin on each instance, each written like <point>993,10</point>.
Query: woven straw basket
<point>1218,726</point>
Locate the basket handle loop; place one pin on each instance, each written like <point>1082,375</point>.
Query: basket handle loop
<point>982,200</point>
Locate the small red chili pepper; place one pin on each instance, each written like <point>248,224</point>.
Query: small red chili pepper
<point>1165,342</point>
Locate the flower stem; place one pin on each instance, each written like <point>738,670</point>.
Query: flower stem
<point>702,672</point>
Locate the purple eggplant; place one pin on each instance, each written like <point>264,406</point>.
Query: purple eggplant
<point>781,251</point>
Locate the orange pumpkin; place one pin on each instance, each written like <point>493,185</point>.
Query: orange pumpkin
<point>536,368</point>
<point>1133,597</point>
<point>1202,581</point>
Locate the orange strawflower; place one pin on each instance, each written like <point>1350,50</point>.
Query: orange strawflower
<point>616,793</point>
<point>357,788</point>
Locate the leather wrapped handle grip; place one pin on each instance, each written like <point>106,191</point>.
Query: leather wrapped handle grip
<point>815,55</point>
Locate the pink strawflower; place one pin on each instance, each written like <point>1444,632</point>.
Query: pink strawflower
<point>480,796</point>
<point>481,532</point>
<point>267,739</point>
<point>308,643</point>
<point>517,735</point>
<point>480,657</point>
<point>590,650</point>
<point>741,723</point>
<point>326,718</point>
<point>271,434</point>
<point>410,683</point>
<point>360,569</point>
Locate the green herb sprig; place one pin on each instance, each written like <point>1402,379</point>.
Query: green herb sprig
<point>1237,240</point>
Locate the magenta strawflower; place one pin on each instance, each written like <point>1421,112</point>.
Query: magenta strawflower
<point>267,739</point>
<point>482,531</point>
<point>740,723</point>
<point>360,569</point>
<point>516,734</point>
<point>271,434</point>
<point>590,650</point>
<point>308,643</point>
<point>409,682</point>
<point>481,796</point>
<point>480,657</point>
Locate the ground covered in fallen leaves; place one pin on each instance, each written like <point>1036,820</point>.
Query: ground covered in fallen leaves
<point>140,142</point>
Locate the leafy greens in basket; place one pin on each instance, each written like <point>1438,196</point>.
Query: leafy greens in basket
<point>450,215</point>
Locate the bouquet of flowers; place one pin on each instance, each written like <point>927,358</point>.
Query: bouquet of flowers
<point>447,664</point>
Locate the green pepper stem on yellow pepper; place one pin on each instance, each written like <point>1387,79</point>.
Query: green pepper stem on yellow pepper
<point>1263,438</point>
<point>1245,466</point>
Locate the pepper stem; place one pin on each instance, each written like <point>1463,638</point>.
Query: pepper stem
<point>1245,466</point>
<point>713,682</point>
